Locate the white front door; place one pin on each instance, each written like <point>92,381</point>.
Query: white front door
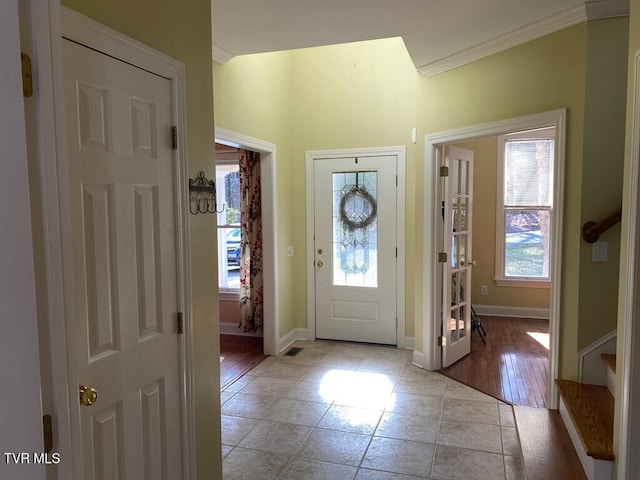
<point>456,298</point>
<point>123,342</point>
<point>355,249</point>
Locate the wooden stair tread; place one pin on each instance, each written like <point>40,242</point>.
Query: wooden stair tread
<point>547,450</point>
<point>591,410</point>
<point>610,360</point>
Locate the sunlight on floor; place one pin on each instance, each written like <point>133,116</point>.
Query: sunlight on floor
<point>541,338</point>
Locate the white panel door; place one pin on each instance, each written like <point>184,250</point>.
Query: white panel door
<point>124,341</point>
<point>355,249</point>
<point>456,298</point>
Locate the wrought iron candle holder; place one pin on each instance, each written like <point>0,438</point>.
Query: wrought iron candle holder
<point>202,195</point>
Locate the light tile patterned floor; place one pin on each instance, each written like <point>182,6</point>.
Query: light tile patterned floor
<point>349,411</point>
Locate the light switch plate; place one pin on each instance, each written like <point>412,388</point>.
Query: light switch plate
<point>599,252</point>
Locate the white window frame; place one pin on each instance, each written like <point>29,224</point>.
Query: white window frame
<point>225,293</point>
<point>548,133</point>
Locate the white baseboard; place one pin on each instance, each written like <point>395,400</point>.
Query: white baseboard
<point>501,311</point>
<point>418,359</point>
<point>591,367</point>
<point>290,338</point>
<point>233,329</point>
<point>409,343</point>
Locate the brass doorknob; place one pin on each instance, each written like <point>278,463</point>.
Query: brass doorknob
<point>472,263</point>
<point>88,395</point>
<point>319,263</point>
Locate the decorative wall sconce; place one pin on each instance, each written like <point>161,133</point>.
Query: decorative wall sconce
<point>202,195</point>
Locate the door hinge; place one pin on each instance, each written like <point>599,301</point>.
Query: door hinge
<point>442,257</point>
<point>174,138</point>
<point>47,430</point>
<point>444,171</point>
<point>442,341</point>
<point>27,76</point>
<point>180,323</point>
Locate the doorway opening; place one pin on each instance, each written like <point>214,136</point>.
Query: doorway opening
<point>266,340</point>
<point>433,209</point>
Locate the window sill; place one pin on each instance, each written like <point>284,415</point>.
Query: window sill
<point>229,295</point>
<point>522,282</point>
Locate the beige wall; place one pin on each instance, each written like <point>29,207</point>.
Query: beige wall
<point>182,30</point>
<point>485,184</point>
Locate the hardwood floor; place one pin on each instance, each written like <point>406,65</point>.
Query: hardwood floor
<point>238,354</point>
<point>546,446</point>
<point>512,366</point>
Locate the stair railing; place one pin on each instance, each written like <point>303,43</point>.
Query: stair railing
<point>591,230</point>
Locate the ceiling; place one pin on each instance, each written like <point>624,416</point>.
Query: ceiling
<point>438,34</point>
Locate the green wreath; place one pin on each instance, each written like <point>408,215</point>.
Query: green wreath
<point>344,217</point>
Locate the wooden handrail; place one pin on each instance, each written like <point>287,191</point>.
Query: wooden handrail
<point>591,230</point>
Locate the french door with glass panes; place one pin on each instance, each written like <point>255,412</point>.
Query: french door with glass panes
<point>456,256</point>
<point>355,249</point>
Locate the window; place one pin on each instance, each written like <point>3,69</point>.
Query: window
<point>525,208</point>
<point>229,233</point>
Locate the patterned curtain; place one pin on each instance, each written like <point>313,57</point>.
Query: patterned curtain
<point>251,291</point>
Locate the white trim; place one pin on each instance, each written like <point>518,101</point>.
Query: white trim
<point>409,343</point>
<point>418,359</point>
<point>600,9</point>
<point>431,329</point>
<point>227,328</point>
<point>221,54</point>
<point>534,30</point>
<point>628,367</point>
<point>271,326</point>
<point>591,368</point>
<point>522,282</point>
<point>290,338</point>
<point>400,153</point>
<point>516,312</point>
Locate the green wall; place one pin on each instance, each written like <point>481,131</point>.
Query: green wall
<point>182,30</point>
<point>542,75</point>
<point>369,94</point>
<point>603,161</point>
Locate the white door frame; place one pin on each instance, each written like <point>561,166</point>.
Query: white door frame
<point>21,424</point>
<point>51,22</point>
<point>430,358</point>
<point>271,326</point>
<point>311,156</point>
<point>628,382</point>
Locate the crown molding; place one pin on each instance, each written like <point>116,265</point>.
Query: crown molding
<point>599,9</point>
<point>220,54</point>
<point>527,33</point>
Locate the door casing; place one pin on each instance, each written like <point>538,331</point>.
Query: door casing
<point>430,357</point>
<point>311,156</point>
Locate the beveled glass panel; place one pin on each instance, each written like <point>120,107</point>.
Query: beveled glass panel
<point>462,214</point>
<point>355,229</point>
<point>454,289</point>
<point>462,248</point>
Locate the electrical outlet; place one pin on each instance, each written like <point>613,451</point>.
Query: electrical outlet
<point>484,290</point>
<point>290,251</point>
<point>599,252</point>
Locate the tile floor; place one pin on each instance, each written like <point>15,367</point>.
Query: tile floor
<point>350,411</point>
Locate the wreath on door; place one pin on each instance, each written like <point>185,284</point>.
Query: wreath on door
<point>353,221</point>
